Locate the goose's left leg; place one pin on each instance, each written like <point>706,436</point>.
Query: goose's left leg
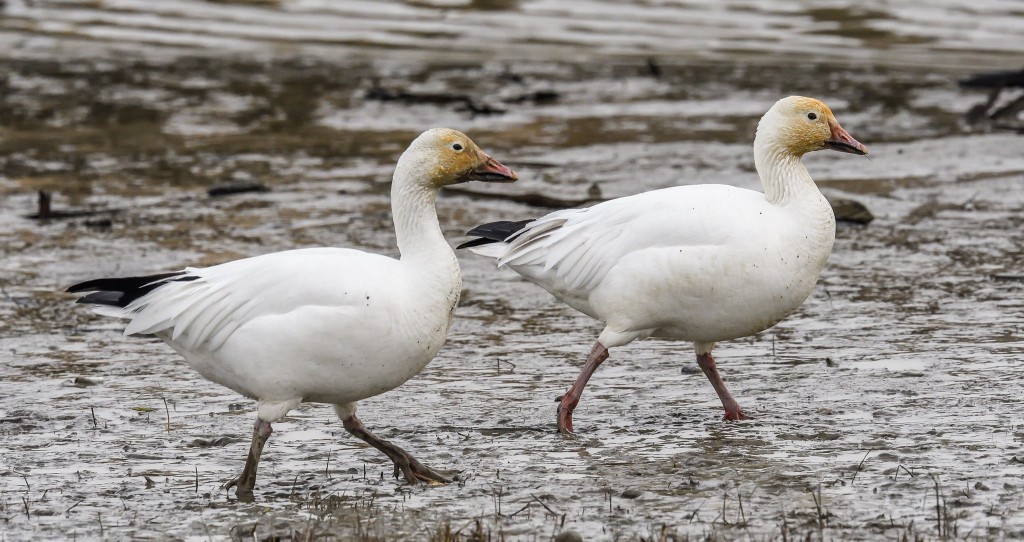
<point>245,483</point>
<point>266,413</point>
<point>411,469</point>
<point>733,411</point>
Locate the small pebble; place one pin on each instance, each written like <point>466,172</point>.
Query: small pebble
<point>980,486</point>
<point>144,457</point>
<point>631,493</point>
<point>99,223</point>
<point>226,188</point>
<point>82,382</point>
<point>212,442</point>
<point>569,535</point>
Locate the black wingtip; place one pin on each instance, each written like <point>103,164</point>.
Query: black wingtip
<point>121,291</point>
<point>500,230</point>
<point>80,287</point>
<point>475,243</point>
<point>121,284</point>
<point>494,232</point>
<point>102,298</point>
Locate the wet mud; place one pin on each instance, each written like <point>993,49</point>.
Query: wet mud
<point>886,407</point>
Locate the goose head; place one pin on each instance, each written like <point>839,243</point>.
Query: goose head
<point>443,157</point>
<point>799,125</point>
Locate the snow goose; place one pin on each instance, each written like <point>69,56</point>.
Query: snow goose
<point>700,263</point>
<point>323,325</point>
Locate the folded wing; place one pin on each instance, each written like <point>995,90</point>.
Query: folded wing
<point>570,252</point>
<point>202,307</point>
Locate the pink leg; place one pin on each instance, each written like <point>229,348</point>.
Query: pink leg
<point>732,408</point>
<point>568,402</point>
<point>412,470</point>
<point>245,483</point>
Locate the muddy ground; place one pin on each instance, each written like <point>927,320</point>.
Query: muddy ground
<point>887,407</point>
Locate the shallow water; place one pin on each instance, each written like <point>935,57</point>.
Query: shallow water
<point>896,382</point>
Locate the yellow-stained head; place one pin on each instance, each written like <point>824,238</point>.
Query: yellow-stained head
<point>443,157</point>
<point>802,125</point>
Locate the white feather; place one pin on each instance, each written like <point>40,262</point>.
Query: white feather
<point>318,324</point>
<point>703,263</point>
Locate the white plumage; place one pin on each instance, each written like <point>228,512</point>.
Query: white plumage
<point>302,324</point>
<point>328,325</point>
<point>702,263</point>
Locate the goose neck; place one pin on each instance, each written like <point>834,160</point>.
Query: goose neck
<point>413,206</point>
<point>783,174</point>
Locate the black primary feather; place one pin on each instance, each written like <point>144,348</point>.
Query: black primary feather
<point>494,232</point>
<point>119,292</point>
<point>102,298</point>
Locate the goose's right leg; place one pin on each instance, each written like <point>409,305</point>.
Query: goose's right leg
<point>733,411</point>
<point>568,401</point>
<point>412,470</point>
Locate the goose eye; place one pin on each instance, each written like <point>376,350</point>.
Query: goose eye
<point>457,147</point>
<point>812,116</point>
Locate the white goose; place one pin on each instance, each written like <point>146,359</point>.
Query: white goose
<point>703,263</point>
<point>324,325</point>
